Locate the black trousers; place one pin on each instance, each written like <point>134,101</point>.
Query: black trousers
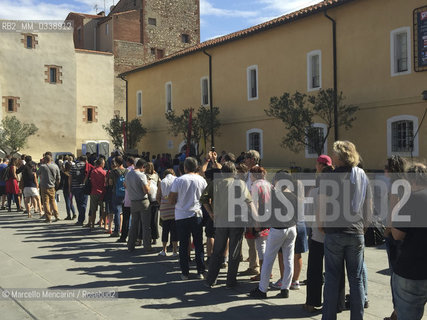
<point>125,223</point>
<point>154,207</point>
<point>315,277</point>
<point>217,258</point>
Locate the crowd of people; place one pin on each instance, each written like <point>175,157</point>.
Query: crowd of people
<point>133,196</point>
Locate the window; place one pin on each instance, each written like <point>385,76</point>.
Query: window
<point>106,29</point>
<point>11,104</point>
<point>185,38</point>
<point>314,70</point>
<point>139,103</point>
<point>168,87</point>
<point>160,53</point>
<point>315,136</point>
<point>53,74</point>
<point>204,86</point>
<point>252,79</point>
<point>153,51</point>
<point>254,140</point>
<point>79,34</point>
<point>400,54</point>
<point>152,21</point>
<point>400,136</point>
<point>29,40</point>
<point>89,115</point>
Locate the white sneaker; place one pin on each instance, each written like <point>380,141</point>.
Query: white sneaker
<point>162,253</point>
<point>295,285</point>
<point>277,284</point>
<point>175,254</point>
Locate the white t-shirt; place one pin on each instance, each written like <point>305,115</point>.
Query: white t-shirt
<point>189,188</point>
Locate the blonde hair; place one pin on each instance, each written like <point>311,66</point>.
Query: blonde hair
<point>347,153</point>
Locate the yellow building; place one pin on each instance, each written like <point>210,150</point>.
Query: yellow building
<point>375,69</point>
<point>67,93</point>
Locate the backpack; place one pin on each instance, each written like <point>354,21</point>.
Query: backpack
<point>4,174</point>
<point>120,188</point>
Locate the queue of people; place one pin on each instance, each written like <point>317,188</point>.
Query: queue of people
<point>134,196</point>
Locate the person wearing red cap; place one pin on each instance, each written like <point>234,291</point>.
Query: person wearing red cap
<point>322,162</point>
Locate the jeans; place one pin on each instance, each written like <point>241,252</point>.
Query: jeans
<point>222,235</point>
<point>81,202</point>
<point>185,228</point>
<point>340,247</point>
<point>69,206</point>
<point>117,209</point>
<point>410,297</point>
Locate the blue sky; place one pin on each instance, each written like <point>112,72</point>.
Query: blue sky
<point>218,17</point>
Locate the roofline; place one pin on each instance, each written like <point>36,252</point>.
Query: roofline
<point>94,16</point>
<point>123,12</point>
<point>282,20</point>
<point>94,52</point>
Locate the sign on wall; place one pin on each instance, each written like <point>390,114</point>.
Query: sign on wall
<point>420,37</point>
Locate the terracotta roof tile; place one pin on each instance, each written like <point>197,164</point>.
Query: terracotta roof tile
<point>321,6</point>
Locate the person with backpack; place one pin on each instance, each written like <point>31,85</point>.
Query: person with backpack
<point>117,179</point>
<point>78,173</point>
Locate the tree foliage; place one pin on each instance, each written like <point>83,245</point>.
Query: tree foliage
<point>134,132</point>
<point>14,134</point>
<point>298,112</point>
<point>207,124</point>
<point>201,124</point>
<point>115,130</point>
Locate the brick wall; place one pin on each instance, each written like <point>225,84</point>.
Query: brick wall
<point>78,23</point>
<point>126,26</point>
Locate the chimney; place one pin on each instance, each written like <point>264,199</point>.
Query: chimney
<point>102,14</point>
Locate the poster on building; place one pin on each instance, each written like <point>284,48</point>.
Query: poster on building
<point>420,36</point>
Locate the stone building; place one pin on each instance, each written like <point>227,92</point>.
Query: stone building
<point>138,32</point>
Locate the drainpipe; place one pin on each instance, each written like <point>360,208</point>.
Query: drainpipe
<point>126,115</point>
<point>210,96</point>
<point>334,40</point>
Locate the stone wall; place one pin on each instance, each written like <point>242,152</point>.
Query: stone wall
<point>172,20</point>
